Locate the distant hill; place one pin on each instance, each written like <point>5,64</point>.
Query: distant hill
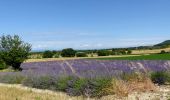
<point>164,44</point>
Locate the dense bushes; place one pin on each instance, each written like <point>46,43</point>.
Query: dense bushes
<point>89,87</point>
<point>81,54</point>
<point>163,52</point>
<point>69,52</point>
<point>73,86</point>
<point>48,54</point>
<point>121,51</point>
<point>2,65</point>
<point>12,78</point>
<point>160,78</point>
<point>113,52</point>
<point>103,53</point>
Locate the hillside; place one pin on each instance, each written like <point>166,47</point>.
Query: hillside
<point>163,44</point>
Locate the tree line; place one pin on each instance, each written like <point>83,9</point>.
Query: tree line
<point>14,51</point>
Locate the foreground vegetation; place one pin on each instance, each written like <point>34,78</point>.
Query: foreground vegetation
<point>95,87</point>
<point>17,92</point>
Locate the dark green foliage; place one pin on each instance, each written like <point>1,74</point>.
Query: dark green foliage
<point>95,87</point>
<point>69,52</point>
<point>103,53</point>
<point>43,82</point>
<point>129,51</point>
<point>2,65</point>
<point>62,83</point>
<point>163,52</point>
<point>160,78</point>
<point>48,54</point>
<point>121,51</point>
<point>81,54</point>
<point>76,86</point>
<point>73,86</point>
<point>13,51</point>
<point>40,82</point>
<point>56,55</point>
<point>163,44</point>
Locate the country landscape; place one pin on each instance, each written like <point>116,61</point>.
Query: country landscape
<point>85,50</point>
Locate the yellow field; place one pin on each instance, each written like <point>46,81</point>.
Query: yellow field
<point>49,59</point>
<point>55,59</point>
<point>149,51</point>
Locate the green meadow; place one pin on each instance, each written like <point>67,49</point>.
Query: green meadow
<point>142,57</point>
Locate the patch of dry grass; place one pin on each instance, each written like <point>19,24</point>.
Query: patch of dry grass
<point>72,58</point>
<point>123,88</point>
<point>17,92</point>
<point>49,59</point>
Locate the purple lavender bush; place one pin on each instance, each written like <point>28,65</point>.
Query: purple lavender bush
<point>80,77</point>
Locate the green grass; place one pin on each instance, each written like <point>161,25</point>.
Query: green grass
<point>142,57</point>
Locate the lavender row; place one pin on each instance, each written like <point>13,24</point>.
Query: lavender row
<point>90,68</point>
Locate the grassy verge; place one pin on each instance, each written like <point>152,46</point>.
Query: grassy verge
<point>142,57</point>
<point>89,87</point>
<point>17,92</point>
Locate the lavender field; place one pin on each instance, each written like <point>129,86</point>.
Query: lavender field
<point>49,75</point>
<point>93,68</point>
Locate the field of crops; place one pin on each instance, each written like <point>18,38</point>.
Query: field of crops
<point>142,57</point>
<point>87,77</point>
<point>92,68</point>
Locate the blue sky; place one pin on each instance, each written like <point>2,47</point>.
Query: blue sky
<point>86,24</point>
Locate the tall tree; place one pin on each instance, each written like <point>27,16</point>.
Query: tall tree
<point>13,51</point>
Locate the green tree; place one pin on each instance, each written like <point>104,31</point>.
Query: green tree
<point>69,52</point>
<point>103,53</point>
<point>2,65</point>
<point>129,51</point>
<point>48,54</point>
<point>163,52</point>
<point>13,51</point>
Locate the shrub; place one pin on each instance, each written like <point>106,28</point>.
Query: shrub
<point>123,88</point>
<point>76,86</point>
<point>81,54</point>
<point>129,52</point>
<point>62,83</point>
<point>12,78</point>
<point>13,51</point>
<point>163,52</point>
<point>56,55</point>
<point>160,78</point>
<point>122,52</point>
<point>40,82</point>
<point>133,76</point>
<point>69,52</point>
<point>2,65</point>
<point>48,54</point>
<point>103,53</point>
<point>95,87</point>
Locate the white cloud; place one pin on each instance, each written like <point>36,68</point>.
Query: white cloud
<point>96,43</point>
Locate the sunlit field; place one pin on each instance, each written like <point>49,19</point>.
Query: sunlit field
<point>17,92</point>
<point>140,57</point>
<point>84,49</point>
